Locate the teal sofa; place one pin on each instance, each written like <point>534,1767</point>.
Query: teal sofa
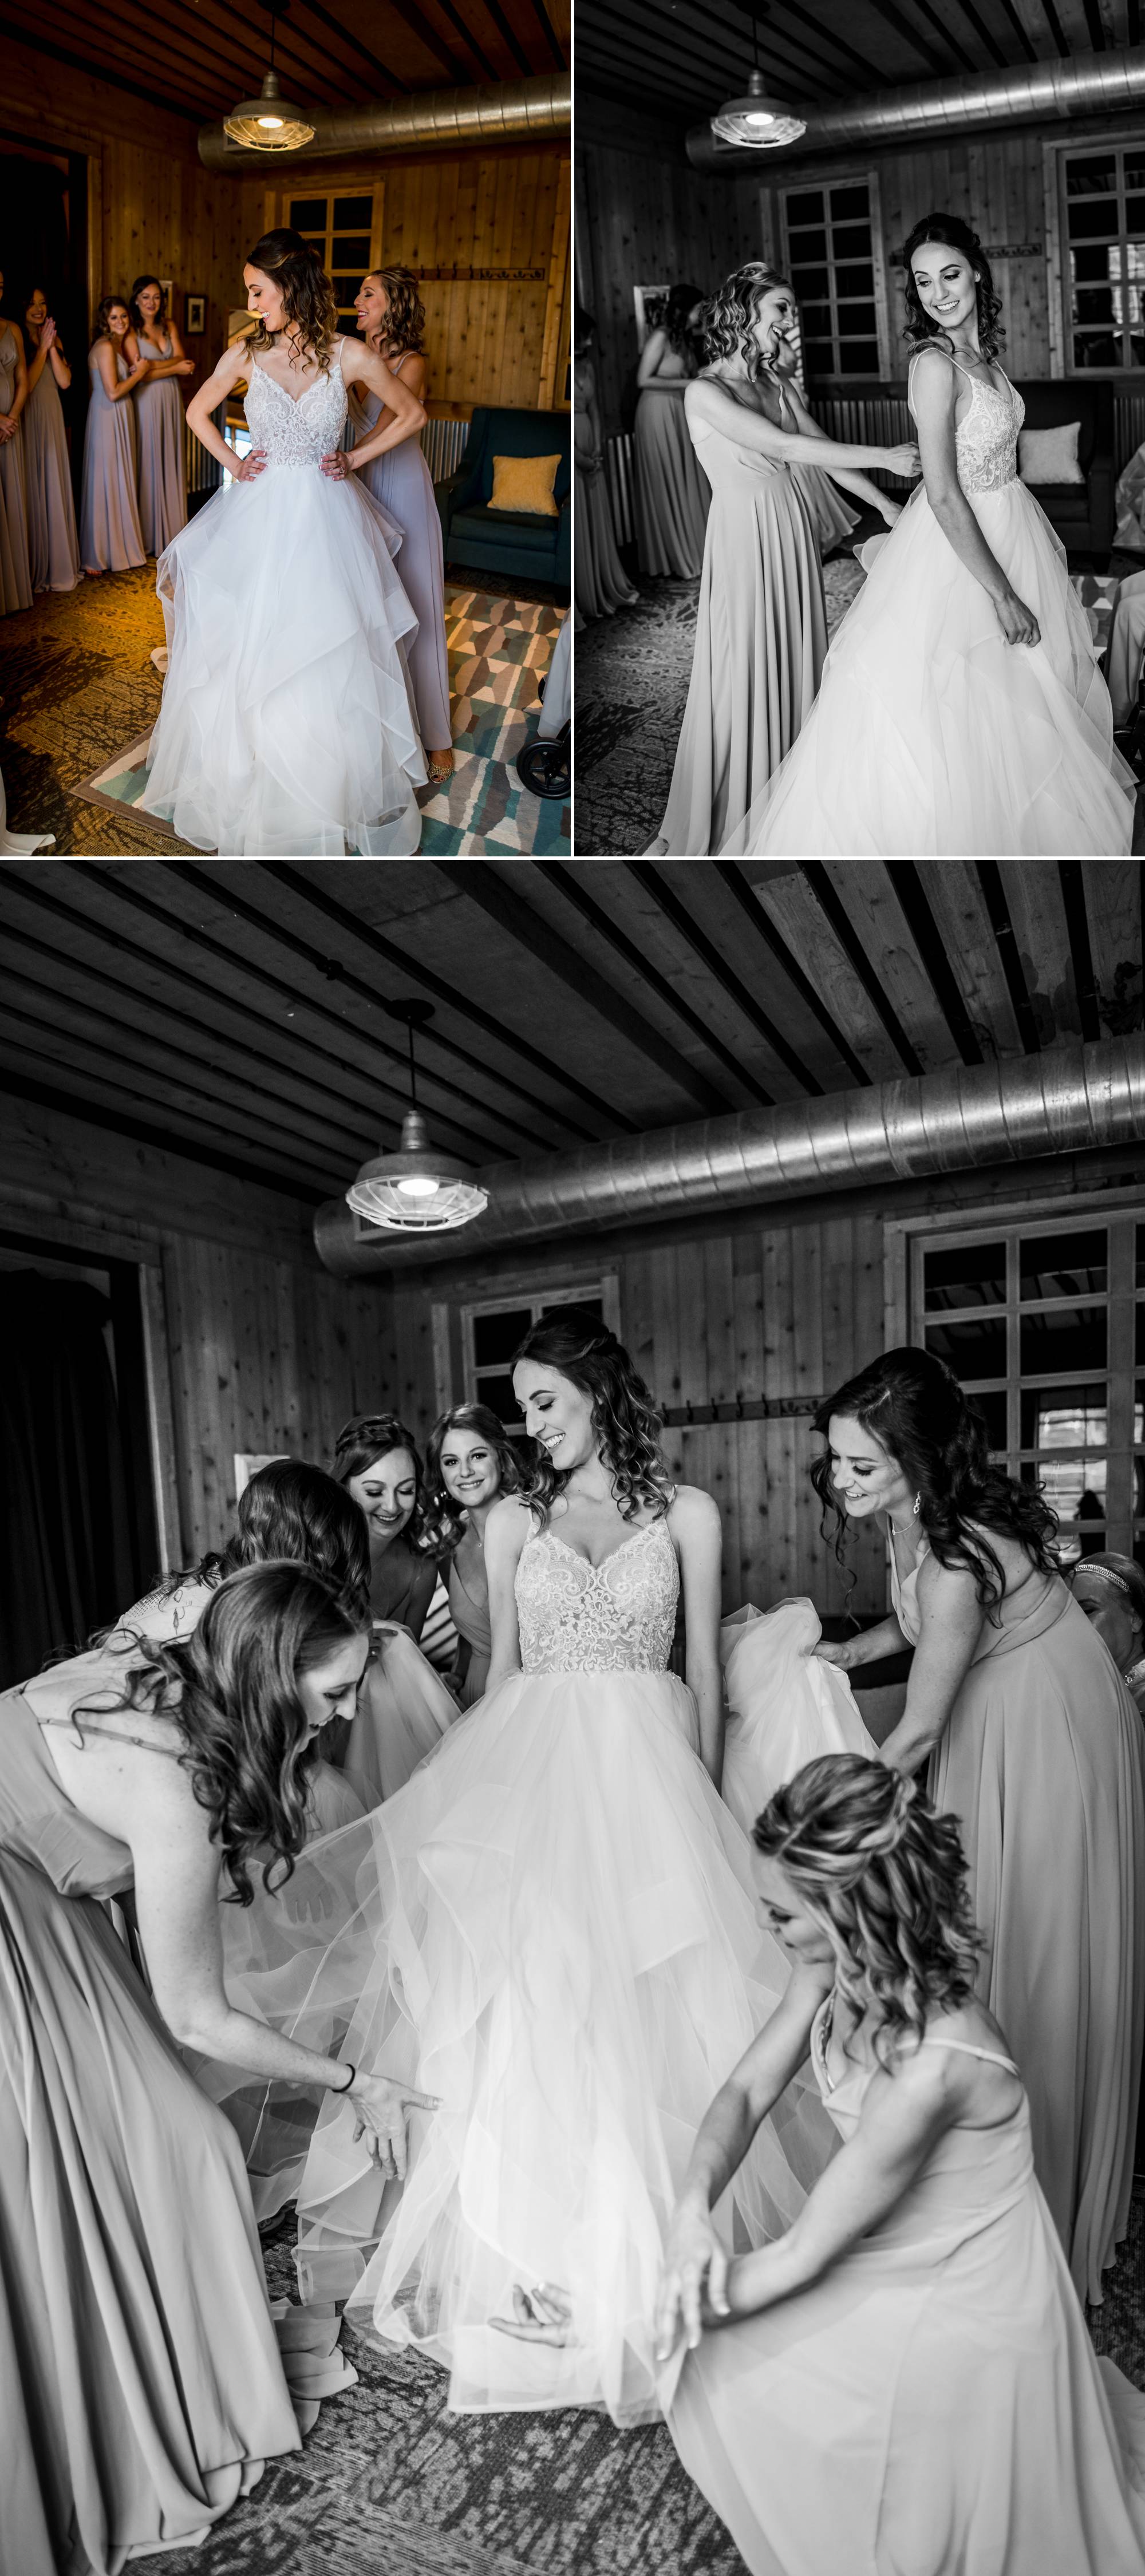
<point>508,544</point>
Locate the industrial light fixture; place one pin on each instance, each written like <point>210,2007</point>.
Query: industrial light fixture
<point>418,1190</point>
<point>760,121</point>
<point>269,123</point>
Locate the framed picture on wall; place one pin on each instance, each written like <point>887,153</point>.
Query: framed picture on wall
<point>650,302</point>
<point>196,316</point>
<point>247,1464</point>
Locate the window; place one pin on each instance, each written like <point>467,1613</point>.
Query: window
<point>832,251</point>
<point>1044,1325</point>
<point>1103,256</point>
<point>491,1333</point>
<point>347,234</point>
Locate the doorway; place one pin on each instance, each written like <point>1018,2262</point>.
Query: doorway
<point>43,227</point>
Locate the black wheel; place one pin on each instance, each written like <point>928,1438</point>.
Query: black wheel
<point>545,767</point>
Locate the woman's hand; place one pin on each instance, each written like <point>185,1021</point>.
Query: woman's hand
<point>48,335</point>
<point>251,466</point>
<point>829,1654</point>
<point>183,367</point>
<point>8,426</point>
<point>540,2315</point>
<point>379,2106</point>
<point>141,368</point>
<point>336,466</point>
<point>1018,623</point>
<point>694,2263</point>
<point>904,461</point>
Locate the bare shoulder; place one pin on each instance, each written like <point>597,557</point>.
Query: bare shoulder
<point>933,379</point>
<point>235,362</point>
<point>693,1514</point>
<point>509,1524</point>
<point>938,1583</point>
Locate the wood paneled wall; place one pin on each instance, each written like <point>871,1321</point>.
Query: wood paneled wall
<point>491,339</point>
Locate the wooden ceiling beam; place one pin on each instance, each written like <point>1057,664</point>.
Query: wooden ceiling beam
<point>468,39</point>
<point>742,894</point>
<point>345,35</point>
<point>609,933</point>
<point>239,64</point>
<point>520,923</point>
<point>23,34</point>
<point>146,958</point>
<point>985,34</point>
<point>548,31</point>
<point>1057,31</point>
<point>22,1086</point>
<point>364,932</point>
<point>182,62</point>
<point>596,52</point>
<point>1071,874</point>
<point>828,901</point>
<point>294,47</point>
<point>994,896</point>
<point>937,63</point>
<point>908,886</point>
<point>508,36</point>
<point>872,73</point>
<point>656,884</point>
<point>687,46</point>
<point>1021,32</point>
<point>775,47</point>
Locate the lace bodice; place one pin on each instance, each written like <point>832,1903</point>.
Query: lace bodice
<point>987,440</point>
<point>612,1618</point>
<point>296,429</point>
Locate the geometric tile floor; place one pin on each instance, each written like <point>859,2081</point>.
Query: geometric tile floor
<point>498,650</point>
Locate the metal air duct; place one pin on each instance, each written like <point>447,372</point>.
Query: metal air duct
<point>1068,1100</point>
<point>435,120</point>
<point>1086,85</point>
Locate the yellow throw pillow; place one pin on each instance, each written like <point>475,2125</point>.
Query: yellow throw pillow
<point>525,483</point>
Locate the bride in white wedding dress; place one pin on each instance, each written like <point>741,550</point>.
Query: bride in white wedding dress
<point>287,728</point>
<point>961,712</point>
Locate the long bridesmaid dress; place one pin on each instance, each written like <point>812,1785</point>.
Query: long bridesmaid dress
<point>932,2406</point>
<point>761,642</point>
<point>402,482</point>
<point>53,538</point>
<point>672,493</point>
<point>159,440</point>
<point>1043,1765</point>
<point>469,1611</point>
<point>15,569</point>
<point>599,578</point>
<point>826,508</point>
<point>111,539</point>
<point>141,2386</point>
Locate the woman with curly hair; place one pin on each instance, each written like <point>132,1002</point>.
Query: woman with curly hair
<point>287,725</point>
<point>761,622</point>
<point>404,1708</point>
<point>1034,1747</point>
<point>159,439</point>
<point>556,1916</point>
<point>672,493</point>
<point>391,319</point>
<point>908,2365</point>
<point>469,1462</point>
<point>962,711</point>
<point>140,2378</point>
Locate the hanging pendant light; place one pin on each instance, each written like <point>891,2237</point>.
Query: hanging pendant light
<point>760,121</point>
<point>269,123</point>
<point>418,1190</point>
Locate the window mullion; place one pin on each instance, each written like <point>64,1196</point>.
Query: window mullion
<point>1013,1355</point>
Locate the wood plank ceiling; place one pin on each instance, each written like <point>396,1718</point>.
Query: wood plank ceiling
<point>683,57</point>
<point>241,1011</point>
<point>200,57</point>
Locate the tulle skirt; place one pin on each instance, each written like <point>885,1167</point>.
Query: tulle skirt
<point>286,727</point>
<point>933,736</point>
<point>552,1929</point>
<point>785,1706</point>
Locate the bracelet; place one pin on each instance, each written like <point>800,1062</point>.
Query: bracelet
<point>347,2088</point>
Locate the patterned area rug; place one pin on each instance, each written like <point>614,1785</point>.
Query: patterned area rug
<point>81,696</point>
<point>389,2484</point>
<point>632,674</point>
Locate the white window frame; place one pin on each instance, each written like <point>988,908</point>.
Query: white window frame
<point>843,174</point>
<point>536,1295</point>
<point>1119,138</point>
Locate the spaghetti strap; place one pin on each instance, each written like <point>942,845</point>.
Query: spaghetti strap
<point>79,1724</point>
<point>966,2048</point>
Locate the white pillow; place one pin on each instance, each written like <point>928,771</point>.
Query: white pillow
<point>1050,455</point>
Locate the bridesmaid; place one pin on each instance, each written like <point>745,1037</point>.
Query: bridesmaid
<point>602,584</point>
<point>469,1462</point>
<point>111,538</point>
<point>908,2364</point>
<point>15,568</point>
<point>829,516</point>
<point>1111,1591</point>
<point>761,626</point>
<point>53,539</point>
<point>1035,1748</point>
<point>391,317</point>
<point>404,1708</point>
<point>672,494</point>
<point>141,2387</point>
<point>158,415</point>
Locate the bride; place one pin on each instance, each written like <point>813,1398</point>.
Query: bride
<point>286,726</point>
<point>961,713</point>
<point>556,1920</point>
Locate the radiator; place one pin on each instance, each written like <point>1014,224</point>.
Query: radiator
<point>1128,427</point>
<point>442,444</point>
<point>619,472</point>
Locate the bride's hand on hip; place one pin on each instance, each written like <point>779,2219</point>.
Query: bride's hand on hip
<point>1018,623</point>
<point>379,2106</point>
<point>694,2262</point>
<point>251,466</point>
<point>336,466</point>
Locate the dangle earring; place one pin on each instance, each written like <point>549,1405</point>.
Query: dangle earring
<point>916,1507</point>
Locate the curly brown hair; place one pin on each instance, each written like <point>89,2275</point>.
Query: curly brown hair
<point>306,291</point>
<point>405,312</point>
<point>625,1417</point>
<point>951,230</point>
<point>369,1436</point>
<point>886,1875</point>
<point>730,317</point>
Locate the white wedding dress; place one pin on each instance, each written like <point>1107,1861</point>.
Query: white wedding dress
<point>553,1929</point>
<point>786,1706</point>
<point>287,727</point>
<point>931,736</point>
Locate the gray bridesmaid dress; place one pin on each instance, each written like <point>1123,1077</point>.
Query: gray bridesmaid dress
<point>53,538</point>
<point>15,569</point>
<point>159,439</point>
<point>111,539</point>
<point>672,493</point>
<point>401,481</point>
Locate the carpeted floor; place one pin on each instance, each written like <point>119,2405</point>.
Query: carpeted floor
<point>389,2484</point>
<point>81,696</point>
